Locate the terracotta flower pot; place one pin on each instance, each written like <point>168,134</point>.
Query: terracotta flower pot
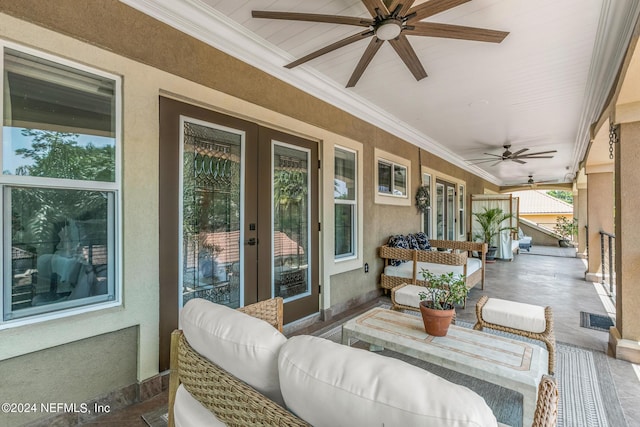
<point>436,322</point>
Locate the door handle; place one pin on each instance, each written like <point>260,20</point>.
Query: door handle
<point>252,241</point>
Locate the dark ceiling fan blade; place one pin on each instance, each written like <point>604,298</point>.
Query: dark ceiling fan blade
<point>517,153</point>
<point>368,55</point>
<point>329,19</point>
<point>337,45</point>
<point>493,164</point>
<point>372,5</point>
<point>522,162</point>
<point>494,155</point>
<point>404,6</point>
<point>431,8</point>
<point>408,55</point>
<point>434,29</point>
<point>540,152</point>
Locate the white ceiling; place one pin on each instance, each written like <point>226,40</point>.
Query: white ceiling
<point>541,88</point>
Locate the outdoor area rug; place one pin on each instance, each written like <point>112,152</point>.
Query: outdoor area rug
<point>595,321</point>
<point>587,393</point>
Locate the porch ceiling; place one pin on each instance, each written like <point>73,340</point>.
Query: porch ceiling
<point>541,88</point>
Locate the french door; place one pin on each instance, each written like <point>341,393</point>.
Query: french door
<point>445,210</point>
<point>238,215</point>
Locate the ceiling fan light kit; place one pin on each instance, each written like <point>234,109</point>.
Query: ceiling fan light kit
<point>391,21</point>
<point>389,29</point>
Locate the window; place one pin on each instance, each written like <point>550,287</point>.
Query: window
<point>60,185</point>
<point>344,194</point>
<point>392,179</point>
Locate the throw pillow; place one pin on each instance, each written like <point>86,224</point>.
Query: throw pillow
<point>397,241</point>
<point>423,241</point>
<point>412,241</point>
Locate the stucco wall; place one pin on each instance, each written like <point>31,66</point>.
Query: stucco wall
<point>69,373</point>
<point>155,60</point>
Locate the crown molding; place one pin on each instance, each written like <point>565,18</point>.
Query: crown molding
<point>197,19</point>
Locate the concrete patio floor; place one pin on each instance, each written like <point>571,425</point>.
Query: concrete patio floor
<point>558,280</point>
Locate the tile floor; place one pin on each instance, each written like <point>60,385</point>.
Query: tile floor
<point>535,278</point>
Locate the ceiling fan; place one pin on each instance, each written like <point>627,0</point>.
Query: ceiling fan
<point>532,183</point>
<point>393,21</point>
<point>507,155</point>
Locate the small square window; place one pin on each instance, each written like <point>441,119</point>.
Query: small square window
<point>392,179</point>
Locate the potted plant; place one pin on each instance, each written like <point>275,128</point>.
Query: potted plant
<point>437,302</point>
<point>490,221</point>
<point>566,228</point>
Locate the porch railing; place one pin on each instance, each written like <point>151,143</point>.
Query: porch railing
<point>607,250</point>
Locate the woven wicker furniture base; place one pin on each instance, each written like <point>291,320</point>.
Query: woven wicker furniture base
<point>547,336</point>
<point>233,401</point>
<point>512,364</point>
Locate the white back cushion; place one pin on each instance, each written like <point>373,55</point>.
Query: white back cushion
<point>242,345</point>
<point>188,412</point>
<point>329,384</point>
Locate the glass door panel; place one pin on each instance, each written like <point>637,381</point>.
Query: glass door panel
<point>451,213</point>
<point>291,220</point>
<point>212,212</point>
<point>440,218</point>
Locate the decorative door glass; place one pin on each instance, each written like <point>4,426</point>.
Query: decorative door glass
<point>440,218</point>
<point>451,213</point>
<point>212,179</point>
<point>291,221</point>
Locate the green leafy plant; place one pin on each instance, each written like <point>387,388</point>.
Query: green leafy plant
<point>443,291</point>
<point>565,227</point>
<point>490,220</point>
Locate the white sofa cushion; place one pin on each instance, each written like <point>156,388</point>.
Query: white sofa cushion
<point>329,384</point>
<point>242,345</point>
<point>517,315</point>
<point>188,412</point>
<point>406,269</point>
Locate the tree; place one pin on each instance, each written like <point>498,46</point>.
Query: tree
<point>58,155</point>
<point>40,213</point>
<point>565,196</point>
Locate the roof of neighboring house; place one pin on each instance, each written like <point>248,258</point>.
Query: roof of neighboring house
<point>539,202</point>
<point>227,245</point>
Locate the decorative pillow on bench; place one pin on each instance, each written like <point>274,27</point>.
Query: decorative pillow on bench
<point>398,241</point>
<point>418,241</point>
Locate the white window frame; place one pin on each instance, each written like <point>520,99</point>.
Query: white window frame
<point>115,188</point>
<point>393,160</point>
<point>354,204</point>
<point>428,180</point>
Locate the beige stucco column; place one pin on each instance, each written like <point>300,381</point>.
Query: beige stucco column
<point>624,338</point>
<point>600,200</point>
<point>580,212</point>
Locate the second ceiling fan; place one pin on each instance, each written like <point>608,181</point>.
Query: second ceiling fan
<point>392,21</point>
<point>518,156</point>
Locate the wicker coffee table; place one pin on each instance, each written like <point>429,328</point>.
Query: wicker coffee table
<point>512,364</point>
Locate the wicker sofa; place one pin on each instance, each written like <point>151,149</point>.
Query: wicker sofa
<point>454,256</point>
<point>314,375</point>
